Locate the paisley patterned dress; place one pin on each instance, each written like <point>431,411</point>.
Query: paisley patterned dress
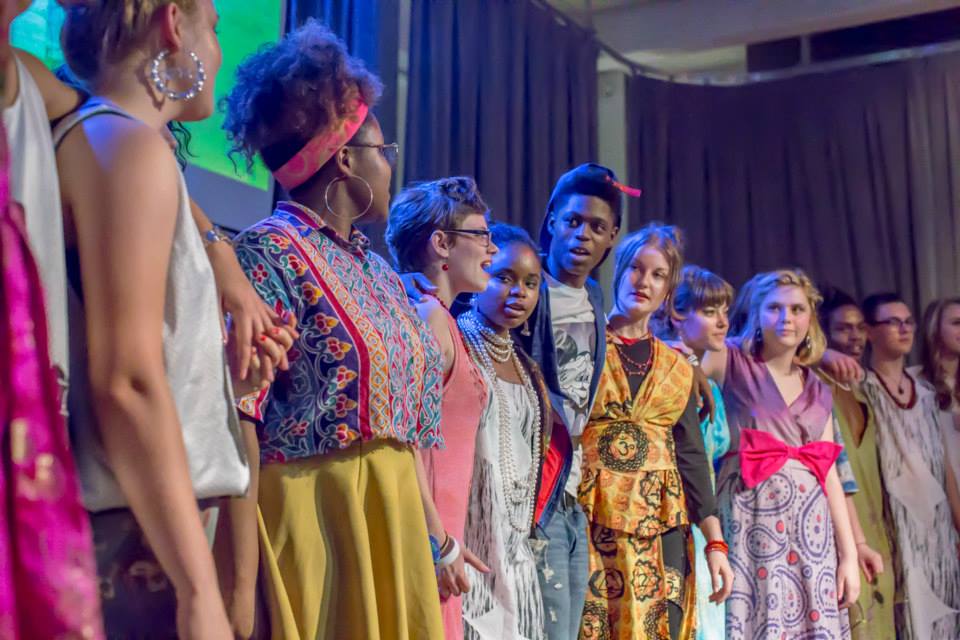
<point>780,532</point>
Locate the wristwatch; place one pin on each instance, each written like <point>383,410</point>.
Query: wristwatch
<point>214,235</point>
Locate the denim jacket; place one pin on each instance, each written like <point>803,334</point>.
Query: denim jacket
<point>540,346</point>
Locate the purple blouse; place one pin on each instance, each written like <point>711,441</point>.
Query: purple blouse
<point>753,401</point>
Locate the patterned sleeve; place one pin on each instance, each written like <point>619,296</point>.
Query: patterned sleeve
<point>262,258</point>
<point>844,470</point>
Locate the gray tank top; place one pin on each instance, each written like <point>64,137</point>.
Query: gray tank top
<point>194,357</point>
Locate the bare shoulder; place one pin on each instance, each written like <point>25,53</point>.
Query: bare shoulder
<point>436,316</point>
<point>110,164</point>
<point>430,310</point>
<point>58,98</point>
<point>117,150</point>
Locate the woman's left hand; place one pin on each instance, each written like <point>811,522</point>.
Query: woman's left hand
<point>848,582</point>
<point>452,579</point>
<point>722,576</point>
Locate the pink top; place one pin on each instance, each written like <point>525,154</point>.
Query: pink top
<point>449,470</point>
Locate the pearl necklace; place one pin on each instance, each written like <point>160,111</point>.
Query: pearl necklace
<point>499,347</point>
<point>519,492</point>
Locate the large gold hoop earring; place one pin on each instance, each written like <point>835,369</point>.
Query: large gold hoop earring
<point>326,198</point>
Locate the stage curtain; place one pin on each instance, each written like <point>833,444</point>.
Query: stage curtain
<point>502,91</point>
<point>853,175</point>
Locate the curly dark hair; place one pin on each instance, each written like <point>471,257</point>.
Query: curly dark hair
<point>288,91</point>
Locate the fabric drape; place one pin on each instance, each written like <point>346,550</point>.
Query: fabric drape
<point>502,91</point>
<point>853,175</point>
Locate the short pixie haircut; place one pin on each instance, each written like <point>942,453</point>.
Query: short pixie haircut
<point>423,208</point>
<point>289,91</point>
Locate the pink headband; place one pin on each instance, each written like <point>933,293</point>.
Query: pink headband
<point>321,148</point>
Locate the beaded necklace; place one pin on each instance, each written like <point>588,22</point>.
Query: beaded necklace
<point>486,347</point>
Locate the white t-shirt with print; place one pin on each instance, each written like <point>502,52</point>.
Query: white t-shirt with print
<point>575,341</point>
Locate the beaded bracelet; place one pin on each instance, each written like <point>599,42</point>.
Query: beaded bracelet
<point>717,545</point>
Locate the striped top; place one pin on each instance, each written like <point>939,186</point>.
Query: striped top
<point>365,365</point>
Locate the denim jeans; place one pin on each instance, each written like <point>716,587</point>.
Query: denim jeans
<point>561,552</point>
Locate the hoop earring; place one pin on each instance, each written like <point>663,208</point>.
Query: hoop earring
<point>326,198</point>
<point>161,81</point>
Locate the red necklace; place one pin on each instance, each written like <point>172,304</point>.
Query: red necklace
<point>896,400</point>
<point>635,368</point>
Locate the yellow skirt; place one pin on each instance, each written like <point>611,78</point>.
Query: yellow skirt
<point>344,547</point>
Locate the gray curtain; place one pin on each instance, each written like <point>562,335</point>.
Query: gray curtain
<point>502,91</point>
<point>853,175</point>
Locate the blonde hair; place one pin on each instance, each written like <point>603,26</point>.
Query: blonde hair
<point>810,351</point>
<point>668,240</point>
<point>931,356</point>
<point>96,33</point>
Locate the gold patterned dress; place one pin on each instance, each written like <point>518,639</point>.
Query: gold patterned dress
<point>645,478</point>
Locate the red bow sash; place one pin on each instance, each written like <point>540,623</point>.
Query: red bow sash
<point>762,455</point>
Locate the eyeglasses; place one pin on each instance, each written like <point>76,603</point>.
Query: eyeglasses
<point>390,151</point>
<point>896,323</point>
<point>483,235</point>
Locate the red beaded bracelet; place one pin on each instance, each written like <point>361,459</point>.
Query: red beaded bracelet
<point>717,545</point>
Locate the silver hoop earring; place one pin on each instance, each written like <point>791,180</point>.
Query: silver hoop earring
<point>326,198</point>
<point>161,81</point>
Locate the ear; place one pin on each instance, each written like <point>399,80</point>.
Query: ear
<point>614,234</point>
<point>345,162</point>
<point>440,242</point>
<point>170,19</point>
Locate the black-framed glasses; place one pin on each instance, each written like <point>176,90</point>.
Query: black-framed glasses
<point>483,235</point>
<point>896,323</point>
<point>390,150</point>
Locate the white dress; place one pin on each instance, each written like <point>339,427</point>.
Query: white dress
<point>913,469</point>
<point>504,604</point>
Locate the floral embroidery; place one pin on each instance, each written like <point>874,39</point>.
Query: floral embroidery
<point>365,365</point>
<point>324,323</point>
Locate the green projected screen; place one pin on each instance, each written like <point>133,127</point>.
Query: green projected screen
<point>244,26</point>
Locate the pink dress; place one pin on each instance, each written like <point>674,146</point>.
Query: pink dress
<point>449,470</point>
<point>48,583</point>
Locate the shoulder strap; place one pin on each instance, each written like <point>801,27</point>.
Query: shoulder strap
<point>68,122</point>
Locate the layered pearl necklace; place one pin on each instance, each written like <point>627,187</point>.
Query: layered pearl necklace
<point>488,346</point>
